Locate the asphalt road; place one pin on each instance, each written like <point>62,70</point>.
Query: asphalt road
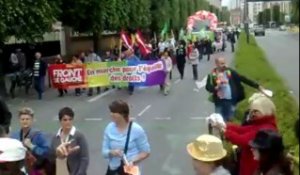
<point>170,121</point>
<point>282,51</point>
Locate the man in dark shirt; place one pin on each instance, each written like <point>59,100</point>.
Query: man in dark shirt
<point>180,59</point>
<point>39,73</point>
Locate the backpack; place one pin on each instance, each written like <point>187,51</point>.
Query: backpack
<point>35,164</point>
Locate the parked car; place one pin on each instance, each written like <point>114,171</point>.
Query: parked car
<point>259,30</point>
<point>282,28</point>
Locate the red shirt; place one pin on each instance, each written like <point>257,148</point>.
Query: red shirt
<point>189,49</point>
<point>242,135</point>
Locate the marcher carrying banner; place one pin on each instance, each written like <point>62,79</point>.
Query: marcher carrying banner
<point>137,73</point>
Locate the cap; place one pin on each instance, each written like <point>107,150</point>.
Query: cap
<point>11,150</point>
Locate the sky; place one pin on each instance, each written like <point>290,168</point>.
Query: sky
<point>226,3</point>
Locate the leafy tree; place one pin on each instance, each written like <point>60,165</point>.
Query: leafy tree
<point>160,12</point>
<point>266,16</point>
<point>260,18</point>
<point>295,11</point>
<point>175,22</point>
<point>24,19</point>
<point>191,7</point>
<point>139,13</point>
<point>224,15</point>
<point>276,13</point>
<point>184,14</point>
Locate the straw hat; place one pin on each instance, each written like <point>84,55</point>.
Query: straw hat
<point>207,148</point>
<point>11,150</point>
<point>263,105</point>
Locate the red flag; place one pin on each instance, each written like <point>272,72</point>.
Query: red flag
<point>145,50</point>
<point>126,39</point>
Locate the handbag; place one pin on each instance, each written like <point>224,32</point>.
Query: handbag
<point>120,169</point>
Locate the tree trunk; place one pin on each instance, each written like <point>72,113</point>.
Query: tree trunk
<point>68,40</point>
<point>96,41</point>
<point>3,92</point>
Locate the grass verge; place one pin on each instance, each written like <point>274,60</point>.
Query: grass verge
<point>250,60</point>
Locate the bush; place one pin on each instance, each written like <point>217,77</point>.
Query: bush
<point>250,60</point>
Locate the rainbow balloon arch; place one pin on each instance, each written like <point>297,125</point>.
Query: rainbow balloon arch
<point>202,25</point>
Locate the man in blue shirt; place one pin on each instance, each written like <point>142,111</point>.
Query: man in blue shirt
<point>131,59</point>
<point>34,140</point>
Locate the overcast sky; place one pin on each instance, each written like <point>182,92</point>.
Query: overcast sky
<point>226,3</point>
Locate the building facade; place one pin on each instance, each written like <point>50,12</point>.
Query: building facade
<point>255,7</point>
<point>253,10</point>
<point>236,16</point>
<point>216,3</point>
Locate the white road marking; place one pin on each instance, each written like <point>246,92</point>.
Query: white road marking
<point>144,110</point>
<point>101,95</point>
<point>196,90</point>
<point>93,119</point>
<point>162,118</point>
<point>177,81</point>
<point>198,118</point>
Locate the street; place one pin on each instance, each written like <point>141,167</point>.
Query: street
<point>282,51</point>
<point>170,121</point>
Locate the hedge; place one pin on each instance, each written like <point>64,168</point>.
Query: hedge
<point>250,60</point>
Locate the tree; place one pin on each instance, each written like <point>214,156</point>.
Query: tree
<point>224,15</point>
<point>295,11</point>
<point>260,18</point>
<point>175,22</point>
<point>183,11</point>
<point>266,16</point>
<point>139,13</point>
<point>191,7</point>
<point>27,20</point>
<point>276,13</point>
<point>204,5</point>
<point>160,12</point>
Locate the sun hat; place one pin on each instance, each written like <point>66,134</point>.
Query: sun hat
<point>255,96</point>
<point>264,105</point>
<point>11,150</point>
<point>267,139</point>
<point>207,148</point>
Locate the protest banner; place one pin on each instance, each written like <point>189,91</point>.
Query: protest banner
<point>67,76</point>
<point>141,73</point>
<point>97,74</point>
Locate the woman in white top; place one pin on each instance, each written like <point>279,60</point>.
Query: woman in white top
<point>169,65</point>
<point>193,57</point>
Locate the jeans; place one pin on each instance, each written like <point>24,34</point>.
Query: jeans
<point>39,84</point>
<point>180,67</point>
<point>232,46</point>
<point>130,88</point>
<point>195,71</point>
<point>225,108</point>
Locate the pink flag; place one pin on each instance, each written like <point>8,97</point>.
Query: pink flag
<point>126,39</point>
<point>145,50</point>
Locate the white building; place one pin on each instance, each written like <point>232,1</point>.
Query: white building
<point>216,3</point>
<point>253,9</point>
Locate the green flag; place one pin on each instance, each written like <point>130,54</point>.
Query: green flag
<point>181,34</point>
<point>164,31</point>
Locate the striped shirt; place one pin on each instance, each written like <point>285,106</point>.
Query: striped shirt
<point>36,68</point>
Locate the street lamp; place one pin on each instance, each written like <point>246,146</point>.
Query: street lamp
<point>246,21</point>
